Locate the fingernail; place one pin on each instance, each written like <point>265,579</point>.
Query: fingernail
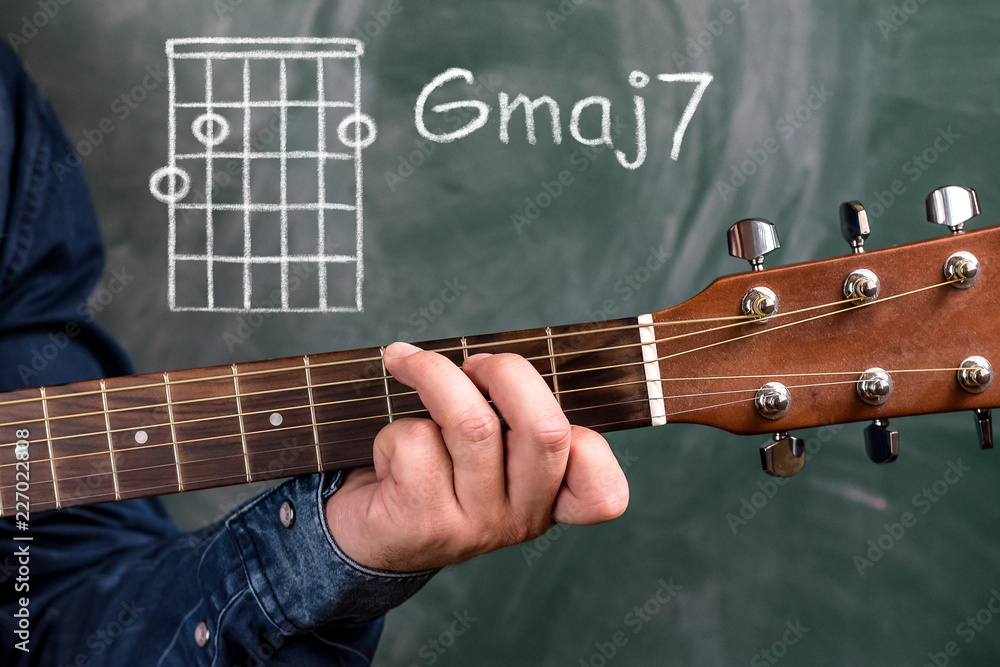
<point>400,350</point>
<point>475,359</point>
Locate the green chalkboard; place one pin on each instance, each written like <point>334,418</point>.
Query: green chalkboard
<point>810,104</point>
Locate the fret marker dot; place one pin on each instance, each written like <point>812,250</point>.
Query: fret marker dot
<point>141,437</point>
<point>275,419</point>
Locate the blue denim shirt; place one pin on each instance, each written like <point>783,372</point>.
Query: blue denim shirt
<point>118,584</point>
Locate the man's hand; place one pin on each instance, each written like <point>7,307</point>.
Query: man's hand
<point>446,490</point>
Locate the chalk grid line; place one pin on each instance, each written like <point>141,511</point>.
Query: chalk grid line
<point>171,184</point>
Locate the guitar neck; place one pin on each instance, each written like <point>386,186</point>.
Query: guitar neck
<point>154,434</point>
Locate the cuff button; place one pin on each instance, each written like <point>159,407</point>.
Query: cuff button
<point>287,514</point>
<point>202,635</point>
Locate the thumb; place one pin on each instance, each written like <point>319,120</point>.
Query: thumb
<point>594,489</point>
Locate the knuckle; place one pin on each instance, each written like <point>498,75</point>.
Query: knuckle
<point>416,429</point>
<point>478,424</point>
<point>552,430</point>
<point>506,362</point>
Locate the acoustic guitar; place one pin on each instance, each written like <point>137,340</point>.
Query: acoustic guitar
<point>762,352</point>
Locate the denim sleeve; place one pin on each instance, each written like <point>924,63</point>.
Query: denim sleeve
<point>118,584</point>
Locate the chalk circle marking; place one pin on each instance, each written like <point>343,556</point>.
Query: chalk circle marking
<point>638,79</point>
<point>210,128</point>
<point>175,193</point>
<point>360,119</point>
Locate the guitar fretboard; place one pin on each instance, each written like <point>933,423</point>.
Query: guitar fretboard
<point>154,434</point>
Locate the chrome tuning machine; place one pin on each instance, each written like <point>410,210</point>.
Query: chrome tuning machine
<point>953,206</point>
<point>783,456</point>
<point>751,239</point>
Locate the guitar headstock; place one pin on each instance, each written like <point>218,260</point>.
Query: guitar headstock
<point>867,336</point>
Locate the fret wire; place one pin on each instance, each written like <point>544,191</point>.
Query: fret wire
<point>173,431</point>
<point>579,333</point>
<point>340,362</point>
<point>385,381</point>
<point>660,358</point>
<point>465,350</point>
<point>111,447</point>
<point>421,411</point>
<point>239,413</point>
<point>743,318</point>
<point>312,412</point>
<point>335,442</point>
<point>52,454</point>
<point>345,463</point>
<point>410,392</point>
<point>552,364</point>
<point>327,384</point>
<point>564,391</point>
<point>595,331</point>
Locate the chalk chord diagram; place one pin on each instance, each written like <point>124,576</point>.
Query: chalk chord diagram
<point>263,179</point>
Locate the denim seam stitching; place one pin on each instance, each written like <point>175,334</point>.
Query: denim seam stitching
<point>219,622</point>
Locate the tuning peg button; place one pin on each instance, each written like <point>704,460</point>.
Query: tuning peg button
<point>881,444</point>
<point>784,456</point>
<point>854,225</point>
<point>751,239</point>
<point>984,427</point>
<point>952,205</point>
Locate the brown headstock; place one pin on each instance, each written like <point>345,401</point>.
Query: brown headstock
<point>935,328</point>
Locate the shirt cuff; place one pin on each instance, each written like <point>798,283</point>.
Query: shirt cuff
<point>299,575</point>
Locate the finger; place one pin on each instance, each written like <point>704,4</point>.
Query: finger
<point>538,442</point>
<point>595,489</point>
<point>412,455</point>
<point>470,427</point>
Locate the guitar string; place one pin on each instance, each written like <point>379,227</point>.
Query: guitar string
<point>343,463</point>
<point>311,447</point>
<point>705,394</point>
<point>381,416</point>
<point>404,393</point>
<point>398,395</point>
<point>340,362</point>
<point>278,473</point>
<point>742,319</point>
<point>389,377</point>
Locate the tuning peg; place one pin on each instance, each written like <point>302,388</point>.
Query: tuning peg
<point>784,456</point>
<point>984,427</point>
<point>952,205</point>
<point>854,225</point>
<point>881,444</point>
<point>751,239</point>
